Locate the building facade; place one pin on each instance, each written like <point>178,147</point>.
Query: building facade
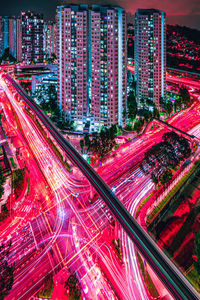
<point>91,53</point>
<point>1,36</point>
<point>10,36</point>
<point>150,55</point>
<point>32,26</point>
<point>15,38</point>
<point>4,34</point>
<point>49,39</point>
<point>19,40</point>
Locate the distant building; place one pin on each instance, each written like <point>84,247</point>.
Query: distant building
<point>91,53</point>
<point>49,39</point>
<point>32,26</point>
<point>4,33</point>
<point>43,82</point>
<point>150,55</point>
<point>15,38</point>
<point>1,37</point>
<point>19,40</point>
<point>10,36</point>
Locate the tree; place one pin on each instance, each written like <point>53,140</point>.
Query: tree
<point>18,180</point>
<point>156,113</point>
<point>180,144</point>
<point>197,252</point>
<point>138,125</point>
<point>162,102</point>
<point>7,56</point>
<point>103,142</point>
<point>47,98</point>
<point>124,115</point>
<point>134,83</point>
<point>132,105</point>
<point>177,104</point>
<point>166,177</point>
<point>2,180</point>
<point>69,125</point>
<point>65,125</point>
<point>73,287</point>
<point>142,102</point>
<point>149,102</point>
<point>147,116</point>
<point>87,141</point>
<point>6,270</point>
<point>184,96</point>
<point>82,145</point>
<point>169,108</point>
<point>51,59</point>
<point>1,191</point>
<point>164,156</point>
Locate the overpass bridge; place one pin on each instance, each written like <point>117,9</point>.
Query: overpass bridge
<point>155,121</point>
<point>169,274</point>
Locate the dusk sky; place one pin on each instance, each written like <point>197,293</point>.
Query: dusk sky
<point>184,12</point>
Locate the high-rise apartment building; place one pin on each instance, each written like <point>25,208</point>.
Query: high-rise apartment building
<point>91,53</point>
<point>1,36</point>
<point>4,34</point>
<point>19,40</point>
<point>49,39</point>
<point>15,38</point>
<point>32,26</point>
<point>10,36</point>
<point>150,55</point>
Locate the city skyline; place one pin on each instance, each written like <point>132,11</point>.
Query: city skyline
<point>99,151</point>
<point>186,13</point>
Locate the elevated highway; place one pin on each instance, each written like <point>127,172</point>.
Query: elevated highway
<point>173,279</point>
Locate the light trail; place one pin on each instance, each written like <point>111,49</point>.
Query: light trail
<point>57,180</point>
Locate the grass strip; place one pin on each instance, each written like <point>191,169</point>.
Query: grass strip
<point>161,205</point>
<point>142,203</point>
<point>194,279</point>
<point>47,291</point>
<point>13,163</point>
<point>28,182</point>
<point>148,281</point>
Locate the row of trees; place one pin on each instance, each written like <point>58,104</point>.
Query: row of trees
<point>133,111</point>
<point>165,156</point>
<point>46,96</point>
<point>197,253</point>
<point>47,99</point>
<point>7,56</point>
<point>6,270</point>
<point>132,108</point>
<point>73,287</point>
<point>18,181</point>
<point>2,180</point>
<point>51,60</point>
<point>100,143</point>
<point>183,100</point>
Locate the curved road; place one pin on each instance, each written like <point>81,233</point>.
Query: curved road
<point>173,279</point>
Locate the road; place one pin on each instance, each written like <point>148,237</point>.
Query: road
<point>57,235</point>
<point>170,275</point>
